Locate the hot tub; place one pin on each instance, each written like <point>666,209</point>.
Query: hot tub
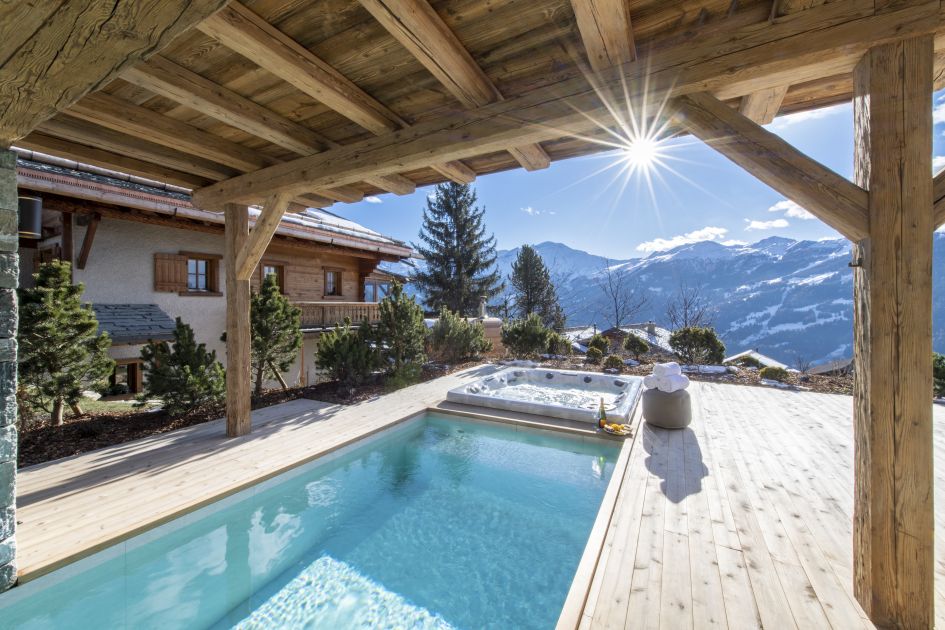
<point>554,393</point>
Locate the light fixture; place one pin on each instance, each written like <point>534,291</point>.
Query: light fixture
<point>31,217</point>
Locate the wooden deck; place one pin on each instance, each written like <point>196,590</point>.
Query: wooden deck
<point>741,521</point>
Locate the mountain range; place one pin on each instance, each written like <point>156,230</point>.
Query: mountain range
<point>786,298</point>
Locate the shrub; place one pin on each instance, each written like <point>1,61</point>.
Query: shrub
<point>600,342</point>
<point>748,361</point>
<point>613,362</point>
<point>559,345</point>
<point>938,374</point>
<point>697,346</point>
<point>636,346</point>
<point>525,337</point>
<point>454,338</point>
<point>346,353</point>
<point>61,351</point>
<point>186,377</point>
<point>400,330</point>
<point>594,356</point>
<point>408,374</point>
<point>772,373</point>
<point>275,332</point>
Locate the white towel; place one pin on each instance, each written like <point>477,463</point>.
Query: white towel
<point>651,381</point>
<point>666,369</point>
<point>669,384</point>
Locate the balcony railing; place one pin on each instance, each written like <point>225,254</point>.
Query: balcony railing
<point>327,314</point>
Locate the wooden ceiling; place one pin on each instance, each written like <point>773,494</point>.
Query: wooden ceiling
<point>265,82</point>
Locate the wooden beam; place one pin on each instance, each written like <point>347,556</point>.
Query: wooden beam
<point>259,238</point>
<point>739,61</point>
<point>828,196</point>
<point>80,47</point>
<point>763,106</point>
<point>938,193</point>
<point>86,248</point>
<point>456,171</point>
<point>344,194</point>
<point>238,389</point>
<point>419,28</point>
<point>606,32</point>
<point>68,245</point>
<point>893,528</point>
<point>244,32</point>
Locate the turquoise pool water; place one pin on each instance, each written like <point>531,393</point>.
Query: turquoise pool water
<point>438,523</point>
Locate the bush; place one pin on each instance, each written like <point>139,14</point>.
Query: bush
<point>594,356</point>
<point>697,346</point>
<point>408,374</point>
<point>454,339</point>
<point>346,353</point>
<point>772,373</point>
<point>275,333</point>
<point>559,345</point>
<point>613,362</point>
<point>600,342</point>
<point>400,330</point>
<point>525,337</point>
<point>186,377</point>
<point>636,346</point>
<point>748,361</point>
<point>938,374</point>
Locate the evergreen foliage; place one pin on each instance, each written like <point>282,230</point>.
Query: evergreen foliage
<point>748,361</point>
<point>600,342</point>
<point>460,258</point>
<point>533,291</point>
<point>559,345</point>
<point>454,339</point>
<point>594,355</point>
<point>774,373</point>
<point>938,374</point>
<point>636,345</point>
<point>400,330</point>
<point>347,353</point>
<point>613,362</point>
<point>186,377</point>
<point>275,327</point>
<point>697,346</point>
<point>526,337</point>
<point>60,350</point>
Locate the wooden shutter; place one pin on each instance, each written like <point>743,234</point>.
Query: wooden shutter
<point>170,273</point>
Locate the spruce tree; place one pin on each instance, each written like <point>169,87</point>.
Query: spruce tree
<point>185,377</point>
<point>61,351</point>
<point>400,330</point>
<point>532,289</point>
<point>275,328</point>
<point>460,258</point>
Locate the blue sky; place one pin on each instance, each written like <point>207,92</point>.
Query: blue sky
<point>580,202</point>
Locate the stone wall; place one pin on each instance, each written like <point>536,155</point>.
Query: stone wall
<point>8,281</point>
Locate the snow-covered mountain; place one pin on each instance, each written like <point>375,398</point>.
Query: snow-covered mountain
<point>786,298</point>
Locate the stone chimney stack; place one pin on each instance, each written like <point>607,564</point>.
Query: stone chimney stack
<point>651,328</point>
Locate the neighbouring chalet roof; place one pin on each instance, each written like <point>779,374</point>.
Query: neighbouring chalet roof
<point>42,173</point>
<point>761,358</point>
<point>840,366</point>
<point>134,323</point>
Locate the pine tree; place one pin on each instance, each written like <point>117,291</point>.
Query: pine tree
<point>61,351</point>
<point>460,258</point>
<point>185,377</point>
<point>533,291</point>
<point>400,330</point>
<point>275,327</point>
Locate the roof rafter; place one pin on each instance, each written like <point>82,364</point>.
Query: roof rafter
<point>606,31</point>
<point>763,106</point>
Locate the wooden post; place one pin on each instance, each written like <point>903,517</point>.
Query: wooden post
<point>893,518</point>
<point>237,324</point>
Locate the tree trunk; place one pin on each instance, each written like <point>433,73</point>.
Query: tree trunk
<point>257,391</point>
<point>76,409</point>
<point>278,374</point>
<point>57,412</point>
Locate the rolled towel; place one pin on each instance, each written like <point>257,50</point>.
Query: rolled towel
<point>651,381</point>
<point>674,383</point>
<point>666,369</point>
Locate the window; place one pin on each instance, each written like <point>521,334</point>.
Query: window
<point>126,379</point>
<point>278,271</point>
<point>198,272</point>
<point>375,291</point>
<point>332,282</point>
<point>369,294</point>
<point>187,273</point>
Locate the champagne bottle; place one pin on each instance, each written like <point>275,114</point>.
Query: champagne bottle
<point>601,414</point>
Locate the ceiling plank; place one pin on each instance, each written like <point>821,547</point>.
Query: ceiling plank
<point>833,199</point>
<point>244,32</point>
<point>763,106</point>
<point>456,171</point>
<point>419,29</point>
<point>81,47</point>
<point>606,31</point>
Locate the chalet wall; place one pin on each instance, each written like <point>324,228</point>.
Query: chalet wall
<point>9,276</point>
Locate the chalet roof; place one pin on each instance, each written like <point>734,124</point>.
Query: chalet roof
<point>761,358</point>
<point>838,365</point>
<point>44,173</point>
<point>134,323</point>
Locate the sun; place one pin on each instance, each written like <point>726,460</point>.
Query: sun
<point>642,153</point>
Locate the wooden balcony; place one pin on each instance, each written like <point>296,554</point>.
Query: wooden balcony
<point>328,314</point>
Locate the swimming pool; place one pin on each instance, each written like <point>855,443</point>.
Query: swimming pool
<point>439,522</point>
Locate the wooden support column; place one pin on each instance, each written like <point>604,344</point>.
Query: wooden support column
<point>238,386</point>
<point>893,518</point>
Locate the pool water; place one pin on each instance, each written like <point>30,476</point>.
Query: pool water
<point>438,523</point>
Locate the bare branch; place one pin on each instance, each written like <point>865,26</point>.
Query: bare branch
<point>621,300</point>
<point>689,308</point>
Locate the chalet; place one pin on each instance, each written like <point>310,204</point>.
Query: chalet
<point>146,255</point>
<point>655,336</point>
<point>763,359</point>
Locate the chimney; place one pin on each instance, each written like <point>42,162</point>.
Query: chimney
<point>651,328</point>
<point>482,306</point>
